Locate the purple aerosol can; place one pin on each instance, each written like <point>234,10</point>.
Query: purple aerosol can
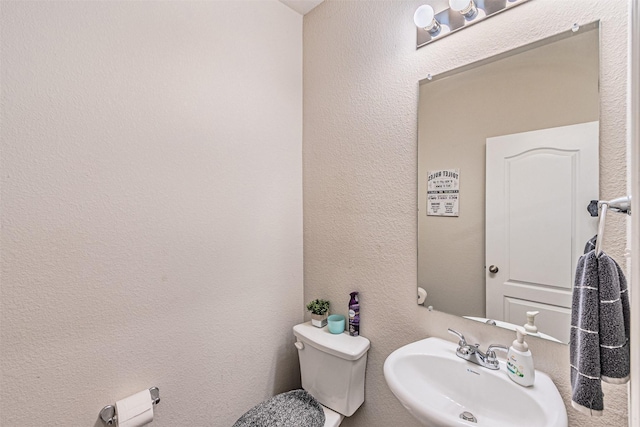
<point>354,315</point>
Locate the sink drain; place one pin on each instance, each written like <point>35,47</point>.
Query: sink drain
<point>468,416</point>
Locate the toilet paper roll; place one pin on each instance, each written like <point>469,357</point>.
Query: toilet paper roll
<point>135,410</point>
<point>422,296</point>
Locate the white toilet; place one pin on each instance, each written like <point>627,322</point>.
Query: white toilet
<point>332,367</point>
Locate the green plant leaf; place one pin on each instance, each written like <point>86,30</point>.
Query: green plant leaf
<point>318,306</point>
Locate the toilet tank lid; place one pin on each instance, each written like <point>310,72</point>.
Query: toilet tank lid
<point>341,345</point>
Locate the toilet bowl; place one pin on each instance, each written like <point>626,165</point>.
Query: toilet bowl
<point>332,369</point>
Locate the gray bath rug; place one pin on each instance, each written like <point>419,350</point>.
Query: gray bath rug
<point>295,408</point>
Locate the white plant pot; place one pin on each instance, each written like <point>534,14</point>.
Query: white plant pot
<point>319,320</point>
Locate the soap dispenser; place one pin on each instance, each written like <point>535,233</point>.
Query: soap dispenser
<point>520,361</point>
<point>530,326</point>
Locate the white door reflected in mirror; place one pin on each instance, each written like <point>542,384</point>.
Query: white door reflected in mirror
<point>538,185</point>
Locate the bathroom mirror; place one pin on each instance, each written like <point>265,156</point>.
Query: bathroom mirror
<point>547,86</point>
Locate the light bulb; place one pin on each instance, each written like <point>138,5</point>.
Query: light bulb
<point>425,18</point>
<point>466,7</point>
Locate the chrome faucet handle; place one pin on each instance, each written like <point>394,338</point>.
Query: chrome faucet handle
<point>496,347</point>
<point>491,354</point>
<point>462,342</point>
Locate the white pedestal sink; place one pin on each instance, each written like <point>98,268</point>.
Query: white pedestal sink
<point>437,387</point>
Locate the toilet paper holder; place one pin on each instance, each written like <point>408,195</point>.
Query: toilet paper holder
<point>108,413</point>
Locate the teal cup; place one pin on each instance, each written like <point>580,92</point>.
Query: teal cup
<point>336,323</point>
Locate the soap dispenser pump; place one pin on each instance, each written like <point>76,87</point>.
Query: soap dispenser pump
<point>530,326</point>
<point>520,361</point>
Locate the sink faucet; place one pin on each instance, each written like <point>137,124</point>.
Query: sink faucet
<point>473,354</point>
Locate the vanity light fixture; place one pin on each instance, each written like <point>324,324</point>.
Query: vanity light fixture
<point>466,8</point>
<point>435,21</point>
<point>425,17</point>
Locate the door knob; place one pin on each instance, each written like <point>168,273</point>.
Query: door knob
<point>493,269</point>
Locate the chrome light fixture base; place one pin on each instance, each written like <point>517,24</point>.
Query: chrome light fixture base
<point>450,20</point>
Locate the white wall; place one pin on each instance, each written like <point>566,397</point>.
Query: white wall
<point>361,73</point>
<point>634,142</point>
<point>151,208</point>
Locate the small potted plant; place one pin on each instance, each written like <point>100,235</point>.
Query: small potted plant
<point>319,309</point>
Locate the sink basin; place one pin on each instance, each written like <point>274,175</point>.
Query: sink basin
<point>436,387</point>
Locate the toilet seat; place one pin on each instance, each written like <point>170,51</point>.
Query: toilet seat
<point>332,418</point>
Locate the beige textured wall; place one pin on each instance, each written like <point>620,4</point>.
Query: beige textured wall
<point>361,73</point>
<point>549,86</point>
<point>151,208</point>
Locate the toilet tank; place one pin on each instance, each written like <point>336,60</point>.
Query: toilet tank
<point>332,367</point>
